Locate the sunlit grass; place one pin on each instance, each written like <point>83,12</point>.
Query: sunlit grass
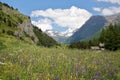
<point>29,62</point>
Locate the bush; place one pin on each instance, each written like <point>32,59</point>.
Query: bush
<point>3,31</point>
<point>2,46</point>
<point>9,32</point>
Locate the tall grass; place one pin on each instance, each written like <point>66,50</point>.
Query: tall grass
<point>21,61</point>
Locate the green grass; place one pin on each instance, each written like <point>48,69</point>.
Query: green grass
<point>22,61</point>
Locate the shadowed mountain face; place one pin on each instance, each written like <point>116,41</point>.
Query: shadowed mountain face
<point>93,25</point>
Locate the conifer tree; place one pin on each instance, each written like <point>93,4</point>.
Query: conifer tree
<point>111,37</point>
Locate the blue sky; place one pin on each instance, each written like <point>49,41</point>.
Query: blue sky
<point>26,6</point>
<point>64,16</point>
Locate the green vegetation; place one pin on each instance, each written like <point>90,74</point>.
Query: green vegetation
<point>13,23</point>
<point>44,39</point>
<point>22,61</point>
<point>9,21</point>
<point>109,35</point>
<point>85,44</point>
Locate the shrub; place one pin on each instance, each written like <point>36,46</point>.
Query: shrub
<point>9,32</point>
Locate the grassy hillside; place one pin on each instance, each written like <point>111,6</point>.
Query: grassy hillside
<point>10,21</point>
<point>13,23</point>
<point>44,39</point>
<point>22,61</point>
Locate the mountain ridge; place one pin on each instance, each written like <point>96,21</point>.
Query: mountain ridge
<point>92,26</point>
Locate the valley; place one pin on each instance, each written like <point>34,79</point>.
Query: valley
<point>28,53</point>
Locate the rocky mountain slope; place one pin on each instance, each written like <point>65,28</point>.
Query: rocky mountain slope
<point>93,26</point>
<point>13,23</point>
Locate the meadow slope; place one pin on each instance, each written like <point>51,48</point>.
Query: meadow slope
<point>22,61</point>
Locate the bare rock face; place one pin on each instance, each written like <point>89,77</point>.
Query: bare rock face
<point>113,18</point>
<point>27,27</point>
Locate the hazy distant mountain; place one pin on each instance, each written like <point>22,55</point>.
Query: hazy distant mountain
<point>92,26</point>
<point>58,36</point>
<point>113,18</point>
<point>61,37</point>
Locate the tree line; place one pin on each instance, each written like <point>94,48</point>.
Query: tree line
<point>110,36</point>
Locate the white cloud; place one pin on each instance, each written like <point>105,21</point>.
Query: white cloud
<point>110,10</point>
<point>43,24</point>
<point>73,17</point>
<point>111,1</point>
<point>107,11</point>
<point>97,9</point>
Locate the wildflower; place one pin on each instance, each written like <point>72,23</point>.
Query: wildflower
<point>97,63</point>
<point>56,78</point>
<point>51,73</point>
<point>71,77</point>
<point>41,75</point>
<point>71,70</point>
<point>1,63</point>
<point>76,74</point>
<point>76,65</point>
<point>29,75</point>
<point>18,78</point>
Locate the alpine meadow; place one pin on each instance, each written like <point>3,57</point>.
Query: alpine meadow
<point>31,52</point>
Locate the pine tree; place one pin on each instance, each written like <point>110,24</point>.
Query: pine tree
<point>111,37</point>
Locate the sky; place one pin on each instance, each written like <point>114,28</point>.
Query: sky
<point>64,16</point>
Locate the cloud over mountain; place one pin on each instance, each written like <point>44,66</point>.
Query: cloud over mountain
<point>43,24</point>
<point>72,18</point>
<point>111,1</point>
<point>108,10</point>
<point>111,10</point>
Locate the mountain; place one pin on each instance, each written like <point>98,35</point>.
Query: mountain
<point>15,24</point>
<point>58,36</point>
<point>93,27</point>
<point>61,37</point>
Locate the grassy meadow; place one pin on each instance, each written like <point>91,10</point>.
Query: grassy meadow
<point>22,61</point>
